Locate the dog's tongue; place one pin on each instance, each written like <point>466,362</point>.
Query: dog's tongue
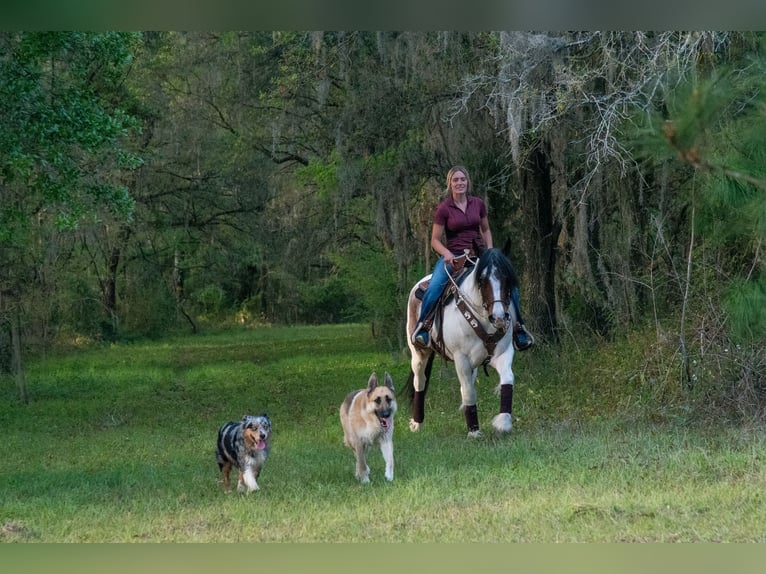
<point>260,445</point>
<point>385,422</point>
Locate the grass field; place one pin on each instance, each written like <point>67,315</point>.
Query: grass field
<point>116,445</point>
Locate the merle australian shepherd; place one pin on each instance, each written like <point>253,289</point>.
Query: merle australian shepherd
<point>245,445</point>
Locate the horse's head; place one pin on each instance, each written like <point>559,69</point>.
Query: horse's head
<point>496,280</point>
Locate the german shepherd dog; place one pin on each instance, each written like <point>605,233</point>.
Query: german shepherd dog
<point>367,417</point>
<point>245,445</point>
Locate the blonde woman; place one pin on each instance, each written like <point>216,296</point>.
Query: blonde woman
<point>460,223</point>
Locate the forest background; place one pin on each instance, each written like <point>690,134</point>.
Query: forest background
<point>162,182</point>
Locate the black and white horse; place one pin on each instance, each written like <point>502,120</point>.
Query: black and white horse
<point>473,328</point>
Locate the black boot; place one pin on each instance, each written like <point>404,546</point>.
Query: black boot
<point>522,339</point>
<point>420,335</point>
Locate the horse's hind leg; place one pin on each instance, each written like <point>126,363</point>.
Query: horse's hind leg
<point>420,374</point>
<point>420,365</point>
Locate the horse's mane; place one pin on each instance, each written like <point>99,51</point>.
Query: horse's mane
<point>496,258</point>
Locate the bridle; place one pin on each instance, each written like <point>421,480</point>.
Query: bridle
<point>460,294</point>
<point>470,312</point>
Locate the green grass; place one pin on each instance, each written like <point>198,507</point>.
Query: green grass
<point>116,445</point>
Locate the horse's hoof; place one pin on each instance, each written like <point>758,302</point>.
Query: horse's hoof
<point>475,434</point>
<point>502,423</point>
<point>414,426</point>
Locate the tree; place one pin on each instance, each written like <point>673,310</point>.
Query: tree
<point>713,125</point>
<point>564,103</point>
<point>61,158</point>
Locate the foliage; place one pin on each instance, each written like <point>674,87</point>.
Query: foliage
<point>746,307</point>
<point>330,301</point>
<point>59,124</point>
<point>63,127</point>
<point>369,276</point>
<point>148,309</point>
<point>710,128</point>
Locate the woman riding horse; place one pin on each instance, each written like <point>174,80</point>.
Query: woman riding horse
<point>474,326</point>
<point>463,219</point>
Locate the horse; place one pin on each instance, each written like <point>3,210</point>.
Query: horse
<point>472,327</point>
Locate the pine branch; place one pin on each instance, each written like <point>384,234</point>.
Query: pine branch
<point>692,157</point>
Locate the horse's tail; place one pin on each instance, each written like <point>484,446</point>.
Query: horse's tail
<point>409,386</point>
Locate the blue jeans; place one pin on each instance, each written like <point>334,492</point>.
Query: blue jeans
<point>435,287</point>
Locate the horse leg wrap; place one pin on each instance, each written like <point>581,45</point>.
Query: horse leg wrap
<point>506,399</point>
<point>471,418</point>
<point>418,406</point>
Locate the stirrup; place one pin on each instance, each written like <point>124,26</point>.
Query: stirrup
<point>416,332</point>
<point>422,338</point>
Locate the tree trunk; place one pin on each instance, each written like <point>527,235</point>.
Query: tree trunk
<point>18,364</point>
<point>539,241</point>
<point>110,287</point>
<point>179,291</point>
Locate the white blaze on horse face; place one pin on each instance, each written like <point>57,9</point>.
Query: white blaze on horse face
<point>497,309</point>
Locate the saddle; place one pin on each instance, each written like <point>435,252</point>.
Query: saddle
<point>458,276</point>
<point>461,265</point>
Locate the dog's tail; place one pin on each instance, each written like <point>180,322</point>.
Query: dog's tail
<point>409,386</point>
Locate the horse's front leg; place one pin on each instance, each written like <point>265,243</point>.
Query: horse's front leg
<point>503,421</point>
<point>466,373</point>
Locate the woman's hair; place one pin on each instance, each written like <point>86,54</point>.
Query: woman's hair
<point>451,172</point>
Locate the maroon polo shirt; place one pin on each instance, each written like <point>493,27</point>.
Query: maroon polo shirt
<point>461,228</point>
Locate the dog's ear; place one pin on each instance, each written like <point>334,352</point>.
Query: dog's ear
<point>372,383</point>
<point>389,382</point>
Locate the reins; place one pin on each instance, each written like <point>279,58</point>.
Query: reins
<point>470,312</point>
<point>455,289</point>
